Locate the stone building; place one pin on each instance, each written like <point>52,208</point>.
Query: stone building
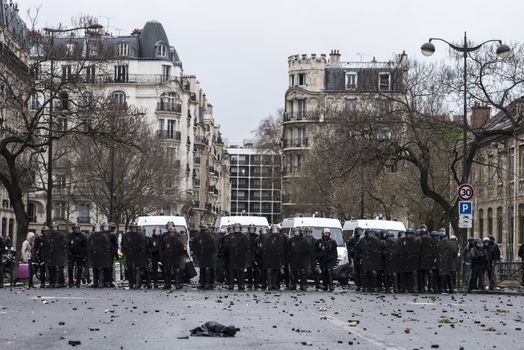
<point>14,56</point>
<point>255,182</point>
<point>319,85</point>
<point>498,178</point>
<point>146,72</point>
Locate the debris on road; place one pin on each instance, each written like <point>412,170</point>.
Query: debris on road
<point>214,329</point>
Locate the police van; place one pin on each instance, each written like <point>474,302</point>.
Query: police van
<point>149,223</point>
<point>317,225</point>
<point>223,222</point>
<point>361,225</point>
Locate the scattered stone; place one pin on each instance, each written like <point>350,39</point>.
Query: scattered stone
<point>74,342</point>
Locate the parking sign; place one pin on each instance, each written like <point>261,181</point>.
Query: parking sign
<point>465,207</point>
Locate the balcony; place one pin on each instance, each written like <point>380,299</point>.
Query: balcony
<point>196,182</point>
<point>169,135</point>
<point>301,116</point>
<point>197,160</point>
<point>140,79</point>
<point>83,220</point>
<point>166,107</point>
<point>296,143</point>
<point>200,140</point>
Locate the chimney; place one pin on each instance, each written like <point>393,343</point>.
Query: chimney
<point>334,57</point>
<point>479,116</point>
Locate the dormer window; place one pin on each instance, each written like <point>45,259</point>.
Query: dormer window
<point>161,50</point>
<point>384,81</point>
<point>351,81</point>
<point>123,50</point>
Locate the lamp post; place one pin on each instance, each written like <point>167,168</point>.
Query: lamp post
<point>50,56</point>
<point>503,51</point>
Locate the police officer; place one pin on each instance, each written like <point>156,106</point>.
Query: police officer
<point>435,238</point>
<point>466,262</point>
<point>172,254</point>
<point>391,264</point>
<point>444,263</point>
<point>327,258</point>
<point>299,260</point>
<point>521,256</point>
<point>262,277</point>
<point>153,251</point>
<point>110,231</point>
<point>371,253</point>
<point>77,255</point>
<point>453,261</point>
<point>351,246</point>
<point>252,267</point>
<point>493,257</point>
<point>238,249</point>
<point>134,247</point>
<point>54,254</point>
<point>221,267</point>
<point>37,260</point>
<point>2,249</point>
<point>206,250</point>
<point>312,270</point>
<point>99,254</point>
<point>273,253</point>
<point>427,252</point>
<point>410,250</point>
<point>479,260</point>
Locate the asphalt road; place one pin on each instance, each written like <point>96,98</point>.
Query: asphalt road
<point>345,319</point>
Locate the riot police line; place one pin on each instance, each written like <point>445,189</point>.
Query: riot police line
<point>419,261</point>
<point>263,259</point>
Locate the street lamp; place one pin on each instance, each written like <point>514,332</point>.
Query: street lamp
<point>53,31</point>
<point>503,51</point>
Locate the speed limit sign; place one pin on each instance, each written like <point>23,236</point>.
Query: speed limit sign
<point>465,192</point>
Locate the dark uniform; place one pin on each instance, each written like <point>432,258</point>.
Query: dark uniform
<point>134,247</point>
<point>37,261</point>
<point>54,254</point>
<point>2,249</point>
<point>259,258</point>
<point>370,250</point>
<point>77,256</point>
<point>521,256</point>
<point>99,254</point>
<point>312,271</point>
<point>327,259</point>
<point>444,264</point>
<point>222,258</point>
<point>453,248</point>
<point>153,252</point>
<point>299,260</point>
<point>410,253</point>
<point>108,270</point>
<point>427,256</point>
<point>391,262</point>
<point>173,256</point>
<point>252,266</point>
<point>273,254</point>
<point>479,260</point>
<point>351,246</point>
<point>237,248</point>
<point>206,251</point>
<point>493,257</point>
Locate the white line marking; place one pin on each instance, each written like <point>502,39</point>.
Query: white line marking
<point>381,343</point>
<point>67,298</point>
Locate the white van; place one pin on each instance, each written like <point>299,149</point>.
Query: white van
<point>361,225</point>
<point>148,223</point>
<point>223,222</point>
<point>317,225</point>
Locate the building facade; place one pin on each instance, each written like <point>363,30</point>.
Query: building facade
<point>14,57</point>
<point>255,182</point>
<point>145,71</point>
<point>320,85</point>
<point>498,177</point>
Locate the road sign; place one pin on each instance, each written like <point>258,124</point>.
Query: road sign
<point>465,207</point>
<point>465,221</point>
<point>465,192</point>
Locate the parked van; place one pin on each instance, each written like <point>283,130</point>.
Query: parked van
<point>223,222</point>
<point>317,225</point>
<point>361,225</point>
<point>148,223</point>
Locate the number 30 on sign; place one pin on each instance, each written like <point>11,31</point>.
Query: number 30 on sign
<point>465,192</point>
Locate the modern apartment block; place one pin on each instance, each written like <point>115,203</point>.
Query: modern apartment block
<point>318,86</point>
<point>255,182</point>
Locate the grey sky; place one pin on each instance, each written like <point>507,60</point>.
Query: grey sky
<point>238,48</point>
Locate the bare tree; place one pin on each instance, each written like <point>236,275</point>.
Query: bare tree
<point>268,135</point>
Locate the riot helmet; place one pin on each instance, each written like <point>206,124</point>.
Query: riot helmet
<point>263,231</point>
<point>297,231</point>
<point>326,233</point>
<point>230,228</point>
<point>75,228</point>
<point>410,232</point>
<point>453,238</point>
<point>237,227</point>
<point>275,229</point>
<point>435,234</point>
<point>308,231</point>
<point>390,235</point>
<point>251,228</point>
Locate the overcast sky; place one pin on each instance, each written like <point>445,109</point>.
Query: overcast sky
<point>238,49</point>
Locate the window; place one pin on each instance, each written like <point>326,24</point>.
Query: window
<point>301,141</point>
<point>291,80</point>
<point>63,101</point>
<point>166,72</point>
<point>521,160</point>
<point>121,74</point>
<point>35,104</point>
<point>90,74</point>
<point>302,79</point>
<point>171,128</point>
<point>481,223</point>
<point>301,108</point>
<point>351,105</point>
<point>511,162</point>
<point>61,124</point>
<point>70,49</point>
<point>351,81</point>
<point>83,214</point>
<point>500,222</point>
<point>490,221</point>
<point>31,212</point>
<point>87,100</point>
<point>66,72</point>
<point>167,102</point>
<point>119,97</point>
<point>161,50</point>
<point>92,50</point>
<point>511,221</point>
<point>384,81</point>
<point>60,211</point>
<point>123,50</point>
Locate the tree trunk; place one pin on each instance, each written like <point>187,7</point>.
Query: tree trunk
<point>16,197</point>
